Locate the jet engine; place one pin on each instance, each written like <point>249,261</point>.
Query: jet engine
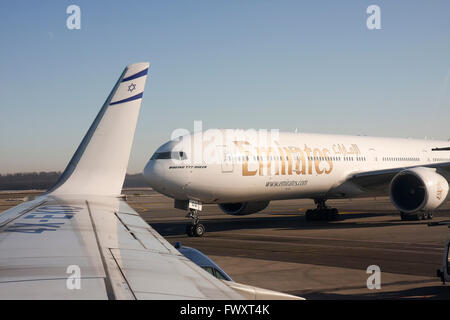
<point>418,189</point>
<point>243,208</point>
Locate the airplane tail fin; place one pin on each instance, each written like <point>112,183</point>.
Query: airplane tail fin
<point>99,165</point>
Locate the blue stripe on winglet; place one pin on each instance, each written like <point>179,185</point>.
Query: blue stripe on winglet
<point>137,75</point>
<point>138,96</point>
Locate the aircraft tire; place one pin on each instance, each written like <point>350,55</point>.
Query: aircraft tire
<point>198,230</point>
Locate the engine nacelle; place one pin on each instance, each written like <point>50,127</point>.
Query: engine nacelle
<point>418,189</point>
<point>243,208</point>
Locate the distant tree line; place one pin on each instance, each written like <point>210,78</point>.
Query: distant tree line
<point>44,180</point>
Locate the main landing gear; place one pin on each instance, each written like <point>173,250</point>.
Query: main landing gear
<point>194,229</point>
<point>418,216</point>
<point>322,212</point>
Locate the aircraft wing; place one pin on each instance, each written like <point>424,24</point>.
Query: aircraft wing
<point>378,181</point>
<point>93,248</point>
<point>79,240</point>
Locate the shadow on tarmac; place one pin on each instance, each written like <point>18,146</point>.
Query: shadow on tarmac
<point>429,292</point>
<point>177,228</point>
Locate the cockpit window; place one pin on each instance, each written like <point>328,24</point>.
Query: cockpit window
<point>209,269</point>
<point>219,275</point>
<point>216,273</point>
<point>177,155</point>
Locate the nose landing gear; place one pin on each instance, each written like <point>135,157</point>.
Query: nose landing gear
<point>194,228</point>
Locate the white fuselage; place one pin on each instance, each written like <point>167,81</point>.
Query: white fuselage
<point>297,165</point>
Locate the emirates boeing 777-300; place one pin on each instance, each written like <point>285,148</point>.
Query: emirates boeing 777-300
<point>242,174</point>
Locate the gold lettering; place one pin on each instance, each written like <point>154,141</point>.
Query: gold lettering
<point>261,163</point>
<point>270,154</point>
<point>334,149</point>
<point>283,164</point>
<point>301,158</point>
<point>308,155</point>
<point>329,160</point>
<point>245,171</point>
<point>317,159</point>
<point>289,155</point>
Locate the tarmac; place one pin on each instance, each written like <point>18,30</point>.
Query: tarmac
<point>278,249</point>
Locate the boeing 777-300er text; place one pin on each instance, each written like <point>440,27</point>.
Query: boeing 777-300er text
<point>81,240</point>
<point>243,170</point>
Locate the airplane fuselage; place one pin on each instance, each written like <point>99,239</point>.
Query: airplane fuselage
<point>296,165</point>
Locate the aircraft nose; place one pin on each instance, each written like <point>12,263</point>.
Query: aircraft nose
<point>153,174</point>
<point>161,178</point>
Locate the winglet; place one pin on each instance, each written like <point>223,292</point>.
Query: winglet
<point>99,165</point>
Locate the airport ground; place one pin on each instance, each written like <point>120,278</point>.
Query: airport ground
<point>277,249</point>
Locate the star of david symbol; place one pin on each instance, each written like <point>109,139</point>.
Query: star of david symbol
<point>131,87</point>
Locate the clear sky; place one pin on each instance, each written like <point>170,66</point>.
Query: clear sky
<point>311,65</point>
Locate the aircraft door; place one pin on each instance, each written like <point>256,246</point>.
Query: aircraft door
<point>373,158</point>
<point>226,159</point>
